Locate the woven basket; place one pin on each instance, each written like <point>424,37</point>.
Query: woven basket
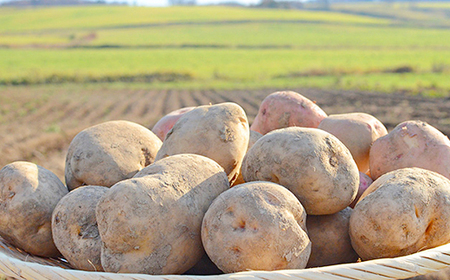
<point>20,265</point>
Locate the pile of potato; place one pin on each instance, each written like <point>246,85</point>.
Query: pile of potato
<point>205,192</point>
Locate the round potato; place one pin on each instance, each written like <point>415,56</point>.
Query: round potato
<point>257,226</point>
<point>152,222</point>
<point>74,227</point>
<point>330,239</point>
<point>109,152</point>
<point>284,109</point>
<point>254,136</point>
<point>402,212</point>
<point>357,131</point>
<point>29,193</point>
<point>310,162</point>
<point>411,144</point>
<point>219,132</point>
<point>165,124</point>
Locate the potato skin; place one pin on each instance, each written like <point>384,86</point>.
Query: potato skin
<point>402,212</point>
<point>165,124</point>
<point>284,109</point>
<point>364,182</point>
<point>357,131</point>
<point>254,136</point>
<point>75,230</point>
<point>219,132</point>
<point>29,193</point>
<point>152,222</point>
<point>257,226</point>
<point>310,162</point>
<point>411,144</point>
<point>330,239</point>
<point>109,152</point>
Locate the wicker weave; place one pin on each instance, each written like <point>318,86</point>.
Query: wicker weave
<point>19,265</point>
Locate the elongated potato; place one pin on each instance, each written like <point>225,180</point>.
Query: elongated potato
<point>357,131</point>
<point>310,162</point>
<point>74,227</point>
<point>330,239</point>
<point>258,226</point>
<point>152,222</point>
<point>28,194</point>
<point>402,212</point>
<point>284,109</point>
<point>109,152</point>
<point>219,132</point>
<point>411,144</point>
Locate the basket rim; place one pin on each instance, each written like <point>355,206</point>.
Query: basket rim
<point>416,264</point>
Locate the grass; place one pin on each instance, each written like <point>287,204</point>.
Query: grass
<point>221,47</point>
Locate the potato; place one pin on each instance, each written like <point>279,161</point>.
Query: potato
<point>286,108</point>
<point>310,162</point>
<point>219,132</point>
<point>29,193</point>
<point>330,239</point>
<point>411,144</point>
<point>257,226</point>
<point>254,136</point>
<point>109,152</point>
<point>402,212</point>
<point>165,124</point>
<point>152,222</point>
<point>364,182</point>
<point>357,131</point>
<point>74,227</point>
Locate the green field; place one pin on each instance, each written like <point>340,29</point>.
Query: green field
<point>219,47</point>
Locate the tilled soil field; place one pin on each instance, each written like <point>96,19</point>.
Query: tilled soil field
<point>38,124</point>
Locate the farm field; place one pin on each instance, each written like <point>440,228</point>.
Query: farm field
<point>229,48</point>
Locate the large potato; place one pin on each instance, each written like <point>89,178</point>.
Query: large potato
<point>330,239</point>
<point>219,132</point>
<point>109,152</point>
<point>165,124</point>
<point>357,131</point>
<point>310,162</point>
<point>74,227</point>
<point>286,108</point>
<point>152,222</point>
<point>28,194</point>
<point>258,226</point>
<point>402,212</point>
<point>411,144</point>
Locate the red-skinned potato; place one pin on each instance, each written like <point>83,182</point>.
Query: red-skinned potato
<point>364,182</point>
<point>310,162</point>
<point>28,194</point>
<point>284,109</point>
<point>411,144</point>
<point>402,212</point>
<point>165,124</point>
<point>257,226</point>
<point>109,152</point>
<point>357,131</point>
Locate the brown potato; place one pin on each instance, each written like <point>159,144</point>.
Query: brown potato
<point>357,131</point>
<point>330,239</point>
<point>219,132</point>
<point>310,162</point>
<point>109,152</point>
<point>402,212</point>
<point>257,226</point>
<point>152,222</point>
<point>411,144</point>
<point>29,193</point>
<point>284,109</point>
<point>74,227</point>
